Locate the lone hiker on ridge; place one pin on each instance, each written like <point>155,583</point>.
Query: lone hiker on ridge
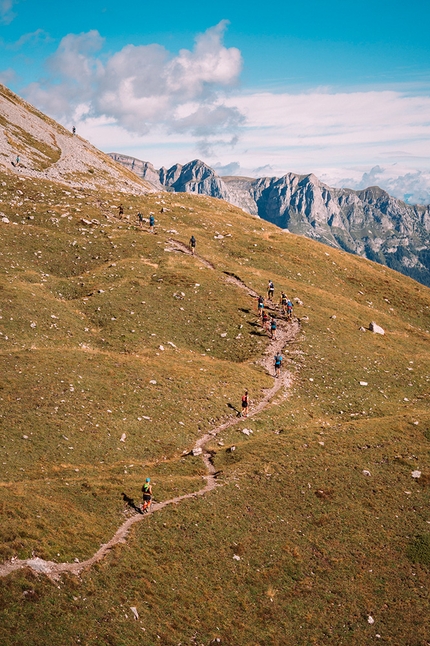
<point>192,244</point>
<point>147,495</point>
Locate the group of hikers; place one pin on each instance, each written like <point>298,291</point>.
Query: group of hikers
<point>269,323</point>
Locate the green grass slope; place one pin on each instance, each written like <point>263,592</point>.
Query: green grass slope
<point>118,353</point>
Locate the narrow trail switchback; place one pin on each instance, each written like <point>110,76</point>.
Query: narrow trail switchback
<point>286,333</point>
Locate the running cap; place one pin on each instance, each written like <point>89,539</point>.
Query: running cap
<point>148,480</point>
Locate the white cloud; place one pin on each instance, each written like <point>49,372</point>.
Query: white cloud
<point>6,13</point>
<point>165,108</point>
<point>143,86</point>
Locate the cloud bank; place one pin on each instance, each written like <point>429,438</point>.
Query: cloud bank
<point>142,87</point>
<point>165,108</point>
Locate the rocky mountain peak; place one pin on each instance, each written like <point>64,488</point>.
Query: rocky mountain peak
<point>369,222</point>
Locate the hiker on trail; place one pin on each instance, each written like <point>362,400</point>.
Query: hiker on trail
<point>283,301</point>
<point>147,495</point>
<point>289,310</point>
<point>192,244</point>
<point>265,320</point>
<point>245,404</point>
<point>260,305</point>
<point>17,160</point>
<point>278,362</point>
<point>270,290</point>
<point>151,223</point>
<point>74,130</point>
<point>121,209</point>
<point>140,216</point>
<point>273,327</point>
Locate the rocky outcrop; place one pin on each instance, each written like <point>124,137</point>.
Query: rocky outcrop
<point>369,222</point>
<point>33,145</point>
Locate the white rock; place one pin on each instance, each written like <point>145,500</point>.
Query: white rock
<point>376,329</point>
<point>135,613</point>
<point>363,383</point>
<point>370,620</point>
<point>197,451</point>
<point>152,381</point>
<point>161,347</point>
<point>247,431</point>
<point>366,472</point>
<point>123,437</point>
<point>172,344</point>
<point>236,557</point>
<point>223,334</point>
<point>416,474</point>
<point>25,437</point>
<point>5,220</point>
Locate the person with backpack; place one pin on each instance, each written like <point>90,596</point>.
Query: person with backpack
<point>278,363</point>
<point>151,223</point>
<point>140,216</point>
<point>289,310</point>
<point>260,306</point>
<point>284,301</point>
<point>270,290</point>
<point>265,321</point>
<point>273,327</point>
<point>192,244</point>
<point>147,496</point>
<point>245,404</point>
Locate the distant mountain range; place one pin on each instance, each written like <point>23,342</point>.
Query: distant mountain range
<point>370,222</point>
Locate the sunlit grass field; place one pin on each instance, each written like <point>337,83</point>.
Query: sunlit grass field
<point>118,353</point>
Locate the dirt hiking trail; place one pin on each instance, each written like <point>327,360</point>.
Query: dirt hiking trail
<point>287,332</point>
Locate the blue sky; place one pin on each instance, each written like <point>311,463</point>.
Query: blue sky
<point>341,89</point>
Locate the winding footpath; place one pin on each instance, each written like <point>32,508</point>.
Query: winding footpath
<point>286,333</point>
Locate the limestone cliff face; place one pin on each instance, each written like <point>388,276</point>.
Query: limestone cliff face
<point>145,170</point>
<point>370,222</point>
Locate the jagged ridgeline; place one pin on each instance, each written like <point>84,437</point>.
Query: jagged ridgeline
<point>369,223</point>
<point>120,351</point>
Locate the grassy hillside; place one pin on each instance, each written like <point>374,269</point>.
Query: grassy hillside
<point>317,525</point>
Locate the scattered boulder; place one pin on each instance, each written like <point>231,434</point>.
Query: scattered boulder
<point>375,328</point>
<point>123,437</point>
<point>135,613</point>
<point>362,329</point>
<point>197,450</point>
<point>416,474</point>
<point>366,472</point>
<point>247,431</point>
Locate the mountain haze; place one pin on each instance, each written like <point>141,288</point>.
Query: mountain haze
<point>368,222</point>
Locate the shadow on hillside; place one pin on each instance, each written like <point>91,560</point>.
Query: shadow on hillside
<point>130,502</point>
<point>238,413</point>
